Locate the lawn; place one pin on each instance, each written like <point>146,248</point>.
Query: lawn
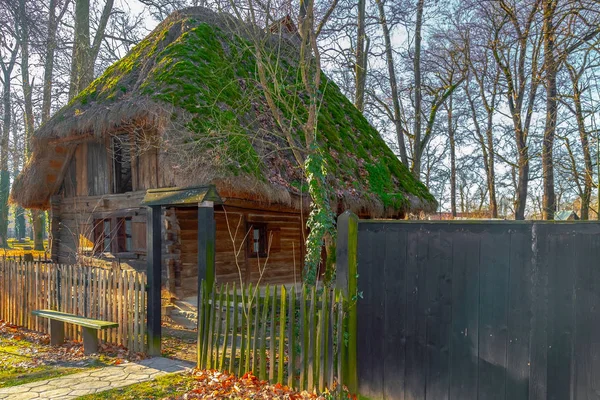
<point>26,356</point>
<point>19,249</point>
<point>167,386</point>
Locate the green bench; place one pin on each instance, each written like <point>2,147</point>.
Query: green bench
<point>90,328</point>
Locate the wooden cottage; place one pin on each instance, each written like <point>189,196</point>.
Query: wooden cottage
<point>181,118</point>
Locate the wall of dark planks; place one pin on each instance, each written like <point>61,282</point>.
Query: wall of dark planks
<point>491,310</point>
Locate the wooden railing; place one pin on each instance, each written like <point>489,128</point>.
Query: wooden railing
<point>111,295</point>
<point>284,335</point>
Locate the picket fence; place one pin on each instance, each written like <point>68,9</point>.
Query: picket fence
<point>105,294</point>
<point>284,335</point>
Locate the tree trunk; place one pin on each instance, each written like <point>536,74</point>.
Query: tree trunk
<point>416,167</point>
<point>452,159</point>
<point>49,59</point>
<point>7,69</point>
<point>491,173</point>
<point>80,75</point>
<point>38,237</point>
<point>84,56</point>
<point>522,179</point>
<point>393,84</point>
<point>360,67</point>
<point>550,70</point>
<point>586,195</point>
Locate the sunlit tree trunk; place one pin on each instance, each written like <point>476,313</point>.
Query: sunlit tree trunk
<point>389,56</point>
<point>360,68</point>
<point>84,56</point>
<point>7,69</point>
<point>550,71</point>
<point>452,141</point>
<point>417,150</point>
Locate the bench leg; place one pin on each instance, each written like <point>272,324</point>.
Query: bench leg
<point>90,340</point>
<point>57,332</point>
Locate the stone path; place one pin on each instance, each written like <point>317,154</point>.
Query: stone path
<point>94,381</point>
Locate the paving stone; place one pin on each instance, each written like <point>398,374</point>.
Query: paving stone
<point>51,394</point>
<point>38,383</point>
<point>72,386</point>
<point>90,385</point>
<point>23,396</point>
<point>14,390</point>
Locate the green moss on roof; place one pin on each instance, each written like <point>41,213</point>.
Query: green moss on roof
<point>211,74</point>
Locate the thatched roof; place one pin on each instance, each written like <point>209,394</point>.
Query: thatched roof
<point>193,83</point>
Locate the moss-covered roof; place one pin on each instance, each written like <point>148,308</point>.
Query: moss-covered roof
<point>196,73</point>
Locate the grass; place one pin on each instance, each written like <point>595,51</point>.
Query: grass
<point>164,386</point>
<point>19,363</point>
<point>19,249</point>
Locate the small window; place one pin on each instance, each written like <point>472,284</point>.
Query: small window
<point>122,164</point>
<point>257,239</point>
<point>124,235</point>
<point>102,235</point>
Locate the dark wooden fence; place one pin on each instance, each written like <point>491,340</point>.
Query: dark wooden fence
<point>478,310</point>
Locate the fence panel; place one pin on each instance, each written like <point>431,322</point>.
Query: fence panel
<point>284,335</point>
<point>85,291</point>
<point>478,310</point>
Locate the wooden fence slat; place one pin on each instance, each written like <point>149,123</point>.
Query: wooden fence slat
<point>244,299</point>
<point>272,336</point>
<point>311,345</point>
<point>291,337</point>
<point>233,354</point>
<point>330,339</point>
<point>340,341</point>
<point>256,332</point>
<point>226,330</point>
<point>263,336</point>
<point>303,339</point>
<point>281,358</point>
<point>219,322</point>
<point>249,320</point>
<point>322,338</point>
<point>211,330</point>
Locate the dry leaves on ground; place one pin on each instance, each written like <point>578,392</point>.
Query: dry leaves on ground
<point>37,351</point>
<point>219,385</point>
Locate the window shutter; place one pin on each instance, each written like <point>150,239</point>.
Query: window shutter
<point>98,235</point>
<point>138,236</point>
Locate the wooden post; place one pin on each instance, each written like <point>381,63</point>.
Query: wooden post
<point>154,274</point>
<point>347,282</point>
<point>206,244</point>
<point>90,340</point>
<point>54,227</point>
<point>57,332</point>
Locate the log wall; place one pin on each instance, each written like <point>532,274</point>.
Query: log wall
<point>284,263</point>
